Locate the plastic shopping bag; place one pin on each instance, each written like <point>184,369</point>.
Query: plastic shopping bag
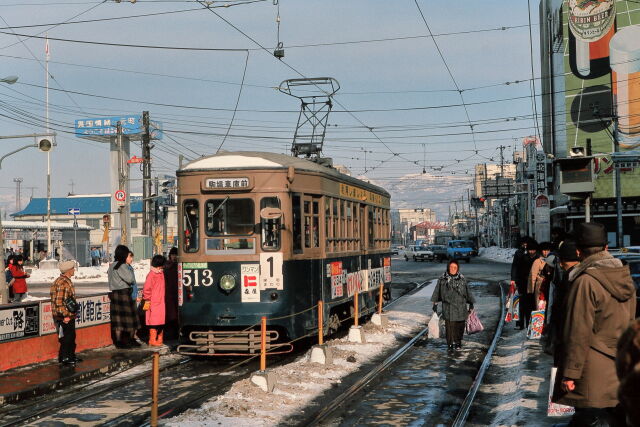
<point>555,409</point>
<point>434,326</point>
<point>536,325</point>
<point>509,307</point>
<point>473,324</point>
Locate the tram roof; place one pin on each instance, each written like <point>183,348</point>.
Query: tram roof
<point>226,160</point>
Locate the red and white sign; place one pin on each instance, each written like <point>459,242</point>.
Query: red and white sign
<point>250,282</point>
<point>120,196</point>
<point>135,159</point>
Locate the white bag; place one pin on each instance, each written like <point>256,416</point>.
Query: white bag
<point>555,409</point>
<point>434,326</point>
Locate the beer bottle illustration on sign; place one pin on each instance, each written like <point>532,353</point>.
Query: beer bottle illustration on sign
<point>591,27</point>
<point>625,66</point>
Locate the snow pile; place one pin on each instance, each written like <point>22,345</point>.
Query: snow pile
<point>301,382</point>
<point>89,274</point>
<point>494,253</point>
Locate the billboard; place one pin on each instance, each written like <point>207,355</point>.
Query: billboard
<point>601,41</point>
<point>106,126</point>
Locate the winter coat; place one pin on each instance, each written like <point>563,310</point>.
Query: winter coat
<point>20,276</point>
<point>454,294</point>
<point>153,292</point>
<point>122,278</point>
<point>523,269</point>
<point>600,303</point>
<point>515,264</point>
<point>539,279</point>
<point>171,291</point>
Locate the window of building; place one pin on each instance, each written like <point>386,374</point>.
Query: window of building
<point>94,223</point>
<point>134,223</point>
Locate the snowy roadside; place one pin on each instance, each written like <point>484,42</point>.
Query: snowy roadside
<point>494,253</point>
<point>301,382</point>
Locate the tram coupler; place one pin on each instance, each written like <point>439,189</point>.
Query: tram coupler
<point>321,354</point>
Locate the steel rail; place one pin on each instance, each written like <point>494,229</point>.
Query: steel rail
<point>463,413</point>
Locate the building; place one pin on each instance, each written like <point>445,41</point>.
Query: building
<point>409,218</point>
<point>92,208</point>
<point>579,109</point>
<point>485,173</point>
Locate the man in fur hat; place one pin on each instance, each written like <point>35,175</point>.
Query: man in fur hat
<point>600,304</point>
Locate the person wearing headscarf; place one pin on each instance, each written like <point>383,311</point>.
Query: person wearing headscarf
<point>124,318</point>
<point>452,290</point>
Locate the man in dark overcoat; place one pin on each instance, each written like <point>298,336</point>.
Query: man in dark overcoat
<point>520,269</point>
<point>600,304</point>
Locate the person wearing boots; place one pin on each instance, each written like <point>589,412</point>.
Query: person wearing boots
<point>453,291</point>
<point>523,271</point>
<point>62,293</point>
<point>600,304</point>
<point>154,305</point>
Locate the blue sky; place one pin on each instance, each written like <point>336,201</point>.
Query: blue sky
<point>387,75</point>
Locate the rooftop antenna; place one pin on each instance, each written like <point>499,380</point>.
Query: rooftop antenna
<point>315,97</point>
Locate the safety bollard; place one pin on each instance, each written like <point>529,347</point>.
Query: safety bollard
<point>264,379</point>
<point>380,298</point>
<point>320,322</point>
<point>355,308</point>
<point>355,332</point>
<point>263,344</point>
<point>155,379</point>
<point>379,318</point>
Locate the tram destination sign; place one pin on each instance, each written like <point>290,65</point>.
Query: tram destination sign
<point>227,183</point>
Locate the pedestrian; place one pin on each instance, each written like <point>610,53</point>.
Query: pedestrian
<point>628,370</point>
<point>95,257</point>
<point>154,303</point>
<point>568,260</point>
<point>539,278</point>
<point>63,310</point>
<point>171,328</point>
<point>124,319</point>
<point>453,291</point>
<point>520,269</point>
<point>600,303</point>
<point>9,277</point>
<point>20,276</point>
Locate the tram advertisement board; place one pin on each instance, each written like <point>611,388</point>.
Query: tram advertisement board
<point>19,322</point>
<point>602,84</point>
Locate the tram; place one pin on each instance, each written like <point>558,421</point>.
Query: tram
<point>266,234</point>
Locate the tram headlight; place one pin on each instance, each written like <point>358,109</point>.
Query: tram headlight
<point>227,282</point>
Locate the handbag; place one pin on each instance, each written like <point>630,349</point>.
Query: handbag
<point>473,324</point>
<point>71,305</point>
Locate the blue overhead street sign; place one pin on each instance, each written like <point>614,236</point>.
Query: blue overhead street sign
<point>73,211</point>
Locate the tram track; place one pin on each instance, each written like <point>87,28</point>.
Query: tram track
<point>331,409</point>
<point>68,403</point>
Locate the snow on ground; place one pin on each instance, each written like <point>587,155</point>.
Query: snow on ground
<point>495,253</point>
<point>89,274</point>
<point>301,382</point>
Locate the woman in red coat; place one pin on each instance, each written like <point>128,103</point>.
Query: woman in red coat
<point>20,276</point>
<point>153,295</point>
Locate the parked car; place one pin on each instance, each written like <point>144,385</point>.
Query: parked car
<point>395,249</point>
<point>439,252</point>
<point>416,253</point>
<point>459,249</point>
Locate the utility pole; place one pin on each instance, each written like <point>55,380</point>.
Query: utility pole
<point>502,147</point>
<point>18,182</point>
<point>122,181</point>
<point>146,176</point>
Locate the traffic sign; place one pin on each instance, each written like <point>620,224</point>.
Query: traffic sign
<point>135,159</point>
<point>120,197</point>
<point>73,211</point>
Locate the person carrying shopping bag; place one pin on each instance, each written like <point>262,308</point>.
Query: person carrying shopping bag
<point>452,290</point>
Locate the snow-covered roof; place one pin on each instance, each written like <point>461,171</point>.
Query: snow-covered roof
<point>41,225</point>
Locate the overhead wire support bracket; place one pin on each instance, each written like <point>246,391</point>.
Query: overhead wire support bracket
<point>315,98</point>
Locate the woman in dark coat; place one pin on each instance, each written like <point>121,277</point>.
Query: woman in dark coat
<point>124,318</point>
<point>453,291</point>
<point>171,295</point>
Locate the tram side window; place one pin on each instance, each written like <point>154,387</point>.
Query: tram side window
<point>370,226</point>
<point>270,228</point>
<point>191,227</point>
<point>297,223</point>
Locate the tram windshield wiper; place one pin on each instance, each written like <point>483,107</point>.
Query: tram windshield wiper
<point>219,206</point>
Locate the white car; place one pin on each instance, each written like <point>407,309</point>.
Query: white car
<point>418,253</point>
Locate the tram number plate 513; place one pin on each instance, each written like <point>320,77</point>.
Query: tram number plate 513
<point>197,277</point>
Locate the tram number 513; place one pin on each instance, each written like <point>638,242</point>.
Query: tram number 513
<point>197,277</point>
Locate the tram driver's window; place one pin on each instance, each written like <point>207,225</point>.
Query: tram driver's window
<point>297,224</point>
<point>270,228</point>
<point>191,218</point>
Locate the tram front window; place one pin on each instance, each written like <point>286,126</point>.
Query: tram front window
<point>229,217</point>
